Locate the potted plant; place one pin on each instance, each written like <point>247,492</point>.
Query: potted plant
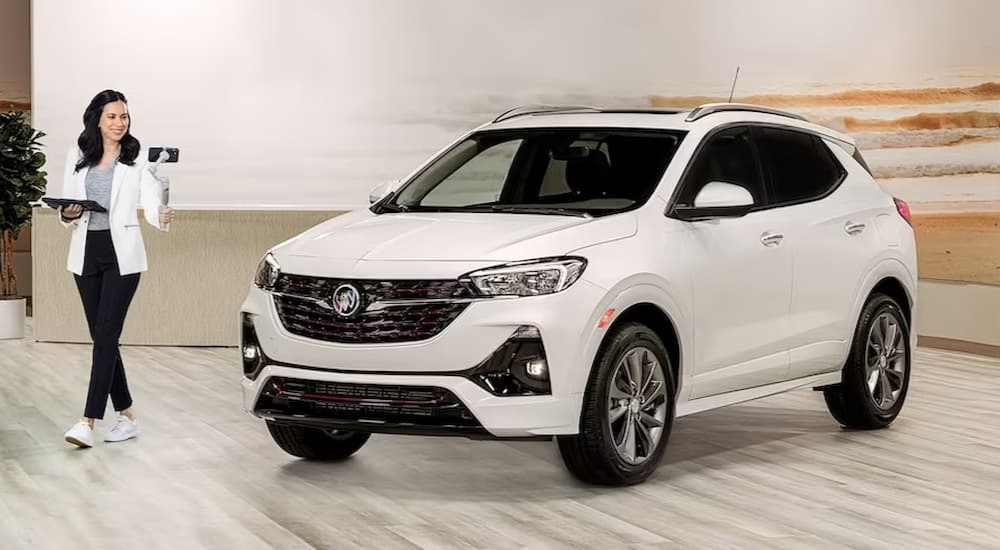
<point>21,182</point>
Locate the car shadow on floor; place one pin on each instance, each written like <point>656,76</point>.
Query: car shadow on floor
<point>449,468</point>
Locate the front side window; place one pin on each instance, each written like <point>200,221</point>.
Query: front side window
<point>728,157</point>
<point>578,171</point>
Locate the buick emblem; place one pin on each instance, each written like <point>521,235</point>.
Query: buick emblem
<point>346,300</point>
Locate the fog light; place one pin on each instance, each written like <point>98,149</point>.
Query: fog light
<point>253,356</point>
<point>530,369</point>
<point>537,369</point>
<point>518,367</point>
<point>250,351</point>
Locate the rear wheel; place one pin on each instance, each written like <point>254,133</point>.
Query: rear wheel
<point>316,443</point>
<point>877,374</point>
<point>627,413</point>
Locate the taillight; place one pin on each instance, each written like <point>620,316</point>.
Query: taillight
<point>904,210</point>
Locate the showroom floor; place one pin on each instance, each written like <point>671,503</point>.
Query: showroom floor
<point>776,473</point>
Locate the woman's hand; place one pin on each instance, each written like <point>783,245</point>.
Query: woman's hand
<point>166,215</point>
<point>71,212</point>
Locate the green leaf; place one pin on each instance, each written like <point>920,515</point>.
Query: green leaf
<point>21,179</point>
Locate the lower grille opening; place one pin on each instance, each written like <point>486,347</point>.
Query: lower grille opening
<point>369,407</point>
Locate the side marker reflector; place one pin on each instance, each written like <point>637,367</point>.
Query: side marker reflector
<point>605,318</point>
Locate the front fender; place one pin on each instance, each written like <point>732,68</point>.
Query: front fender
<point>641,289</point>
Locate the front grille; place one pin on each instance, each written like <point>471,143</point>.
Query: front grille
<point>417,406</point>
<point>296,297</point>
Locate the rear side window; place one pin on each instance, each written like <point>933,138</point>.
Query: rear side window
<point>799,165</point>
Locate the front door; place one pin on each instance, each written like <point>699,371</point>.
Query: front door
<point>742,276</point>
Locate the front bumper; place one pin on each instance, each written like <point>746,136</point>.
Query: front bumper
<point>440,363</point>
<point>487,416</point>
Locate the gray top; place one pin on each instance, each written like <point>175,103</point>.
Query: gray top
<point>99,190</point>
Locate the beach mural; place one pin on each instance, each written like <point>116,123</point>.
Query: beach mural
<point>958,127</point>
<point>936,147</point>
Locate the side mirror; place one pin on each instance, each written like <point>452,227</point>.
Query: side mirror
<point>718,194</point>
<point>717,199</point>
<point>380,191</point>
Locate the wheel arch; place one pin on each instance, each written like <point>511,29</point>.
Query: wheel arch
<point>659,321</point>
<point>652,306</point>
<point>889,277</point>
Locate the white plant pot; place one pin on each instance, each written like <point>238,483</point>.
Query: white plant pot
<point>12,317</point>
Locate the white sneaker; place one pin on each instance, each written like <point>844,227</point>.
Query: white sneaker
<point>123,429</point>
<point>81,435</point>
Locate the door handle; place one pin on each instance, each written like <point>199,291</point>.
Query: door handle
<point>854,228</point>
<point>771,239</point>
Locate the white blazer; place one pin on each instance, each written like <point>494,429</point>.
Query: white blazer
<point>132,187</point>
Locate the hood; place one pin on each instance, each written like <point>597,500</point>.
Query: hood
<point>435,236</point>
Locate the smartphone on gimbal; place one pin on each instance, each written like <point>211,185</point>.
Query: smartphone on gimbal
<point>173,152</point>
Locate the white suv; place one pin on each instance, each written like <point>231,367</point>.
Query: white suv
<point>589,274</point>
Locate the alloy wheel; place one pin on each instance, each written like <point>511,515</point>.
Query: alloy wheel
<point>637,405</point>
<point>885,361</point>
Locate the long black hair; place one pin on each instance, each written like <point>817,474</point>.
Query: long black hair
<point>90,141</point>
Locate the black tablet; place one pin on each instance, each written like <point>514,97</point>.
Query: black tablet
<point>63,203</point>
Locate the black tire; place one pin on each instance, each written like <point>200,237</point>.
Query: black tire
<point>591,455</point>
<point>316,443</point>
<point>852,403</point>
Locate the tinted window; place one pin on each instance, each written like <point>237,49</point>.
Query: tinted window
<point>727,156</point>
<point>799,165</point>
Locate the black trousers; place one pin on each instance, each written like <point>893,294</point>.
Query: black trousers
<point>106,297</point>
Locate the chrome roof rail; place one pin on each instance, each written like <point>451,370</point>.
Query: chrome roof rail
<point>711,108</point>
<point>538,109</point>
<point>645,110</point>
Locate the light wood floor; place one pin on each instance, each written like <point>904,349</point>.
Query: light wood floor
<point>777,473</point>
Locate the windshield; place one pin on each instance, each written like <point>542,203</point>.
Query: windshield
<point>568,171</point>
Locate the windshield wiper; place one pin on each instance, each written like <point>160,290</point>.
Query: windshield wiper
<point>393,207</point>
<point>507,209</point>
<point>537,210</point>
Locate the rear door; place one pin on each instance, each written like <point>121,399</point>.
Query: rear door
<point>832,238</point>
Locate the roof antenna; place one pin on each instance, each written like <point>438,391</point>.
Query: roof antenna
<point>734,84</point>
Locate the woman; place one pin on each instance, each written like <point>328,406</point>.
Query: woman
<point>106,253</point>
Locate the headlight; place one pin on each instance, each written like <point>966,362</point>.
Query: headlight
<point>530,278</point>
<point>267,273</point>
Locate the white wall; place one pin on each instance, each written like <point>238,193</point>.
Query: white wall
<point>311,102</point>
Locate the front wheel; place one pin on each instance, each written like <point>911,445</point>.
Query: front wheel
<point>877,374</point>
<point>316,443</point>
<point>628,411</point>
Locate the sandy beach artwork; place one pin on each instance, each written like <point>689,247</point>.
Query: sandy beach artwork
<point>938,148</point>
